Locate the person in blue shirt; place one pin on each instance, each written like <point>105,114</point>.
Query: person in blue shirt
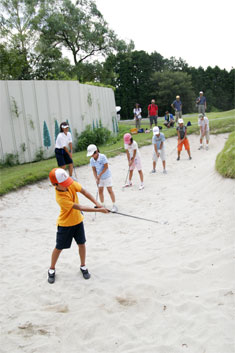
<point>201,103</point>
<point>169,120</point>
<point>102,174</point>
<point>177,106</point>
<point>158,149</point>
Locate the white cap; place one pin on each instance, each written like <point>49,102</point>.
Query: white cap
<point>156,130</point>
<point>200,92</point>
<point>180,121</point>
<point>91,149</point>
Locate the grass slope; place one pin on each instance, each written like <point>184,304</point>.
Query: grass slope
<point>225,161</point>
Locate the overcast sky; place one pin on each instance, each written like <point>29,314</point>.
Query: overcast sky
<point>200,32</point>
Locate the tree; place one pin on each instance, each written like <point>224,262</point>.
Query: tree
<point>169,84</point>
<point>46,135</point>
<point>79,28</point>
<point>57,129</point>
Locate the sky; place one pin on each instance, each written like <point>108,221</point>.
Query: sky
<point>200,32</point>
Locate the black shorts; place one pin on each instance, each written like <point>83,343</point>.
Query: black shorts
<point>65,235</point>
<point>153,119</point>
<point>62,157</point>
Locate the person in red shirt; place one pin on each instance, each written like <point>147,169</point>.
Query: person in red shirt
<point>153,113</point>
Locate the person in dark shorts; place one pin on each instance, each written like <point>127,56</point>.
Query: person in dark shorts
<point>70,220</point>
<point>64,148</point>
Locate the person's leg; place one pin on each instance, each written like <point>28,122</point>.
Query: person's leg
<point>187,147</point>
<point>150,122</point>
<point>155,121</point>
<point>62,166</point>
<point>164,165</point>
<point>82,254</point>
<point>130,175</point>
<point>111,193</point>
<point>141,176</point>
<point>101,193</point>
<point>70,169</point>
<point>54,257</point>
<point>154,165</point>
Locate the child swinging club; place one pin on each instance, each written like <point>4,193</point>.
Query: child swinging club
<point>133,157</point>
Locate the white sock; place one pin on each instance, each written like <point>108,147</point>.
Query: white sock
<point>200,144</point>
<point>83,267</point>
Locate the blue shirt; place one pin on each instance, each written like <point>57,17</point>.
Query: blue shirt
<point>156,140</point>
<point>202,100</point>
<point>177,105</point>
<point>169,117</point>
<point>99,165</point>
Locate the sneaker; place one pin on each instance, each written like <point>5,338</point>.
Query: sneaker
<point>164,171</point>
<point>141,187</point>
<point>51,276</point>
<point>153,171</point>
<point>178,158</point>
<point>127,185</point>
<point>190,158</point>
<point>200,148</point>
<point>85,273</point>
<point>207,148</point>
<point>114,209</point>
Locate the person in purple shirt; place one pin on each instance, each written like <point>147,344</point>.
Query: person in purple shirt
<point>177,106</point>
<point>201,103</point>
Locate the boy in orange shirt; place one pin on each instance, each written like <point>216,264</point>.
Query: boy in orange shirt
<point>70,220</point>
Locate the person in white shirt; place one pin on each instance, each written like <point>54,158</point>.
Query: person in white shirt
<point>64,148</point>
<point>137,115</point>
<point>203,122</point>
<point>133,157</point>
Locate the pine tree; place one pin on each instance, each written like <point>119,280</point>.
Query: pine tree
<point>57,129</point>
<point>46,135</point>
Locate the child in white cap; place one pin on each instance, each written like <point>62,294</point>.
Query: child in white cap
<point>182,139</point>
<point>203,122</point>
<point>133,157</point>
<point>158,149</point>
<point>102,174</point>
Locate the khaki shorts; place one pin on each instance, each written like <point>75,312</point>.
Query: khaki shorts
<point>136,164</point>
<point>201,109</point>
<point>162,155</point>
<point>206,135</point>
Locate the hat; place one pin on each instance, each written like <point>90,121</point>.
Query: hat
<point>201,116</point>
<point>180,121</point>
<point>59,176</point>
<point>91,149</point>
<point>127,138</point>
<point>177,97</point>
<point>64,126</point>
<point>200,92</point>
<point>156,130</point>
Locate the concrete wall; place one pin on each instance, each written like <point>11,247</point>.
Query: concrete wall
<point>30,111</point>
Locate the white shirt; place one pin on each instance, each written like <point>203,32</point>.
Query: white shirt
<point>131,148</point>
<point>204,122</point>
<point>137,112</point>
<point>63,140</point>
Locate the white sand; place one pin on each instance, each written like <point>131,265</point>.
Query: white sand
<point>154,288</point>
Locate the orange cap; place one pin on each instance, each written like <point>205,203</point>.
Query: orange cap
<point>59,176</point>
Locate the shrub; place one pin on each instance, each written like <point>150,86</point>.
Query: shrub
<point>97,136</point>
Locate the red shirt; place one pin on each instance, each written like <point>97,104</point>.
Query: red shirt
<point>153,109</point>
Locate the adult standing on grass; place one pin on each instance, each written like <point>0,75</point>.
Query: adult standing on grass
<point>137,115</point>
<point>133,157</point>
<point>153,113</point>
<point>177,106</point>
<point>201,103</point>
<point>158,149</point>
<point>203,123</point>
<point>102,174</point>
<point>70,221</point>
<point>182,139</point>
<point>64,148</point>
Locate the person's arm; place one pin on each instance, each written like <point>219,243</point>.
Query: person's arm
<point>132,158</point>
<point>156,150</point>
<point>178,135</point>
<point>161,145</point>
<point>99,208</point>
<point>205,104</point>
<point>156,110</point>
<point>172,105</point>
<point>71,147</point>
<point>185,134</point>
<point>128,156</point>
<point>66,150</point>
<point>103,171</point>
<point>95,173</point>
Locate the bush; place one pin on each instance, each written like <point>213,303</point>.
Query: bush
<point>97,136</point>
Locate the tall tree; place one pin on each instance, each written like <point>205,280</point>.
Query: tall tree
<point>79,28</point>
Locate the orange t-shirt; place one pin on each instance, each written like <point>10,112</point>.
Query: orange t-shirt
<point>66,199</point>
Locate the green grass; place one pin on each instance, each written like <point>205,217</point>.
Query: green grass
<point>17,176</point>
<point>225,161</point>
